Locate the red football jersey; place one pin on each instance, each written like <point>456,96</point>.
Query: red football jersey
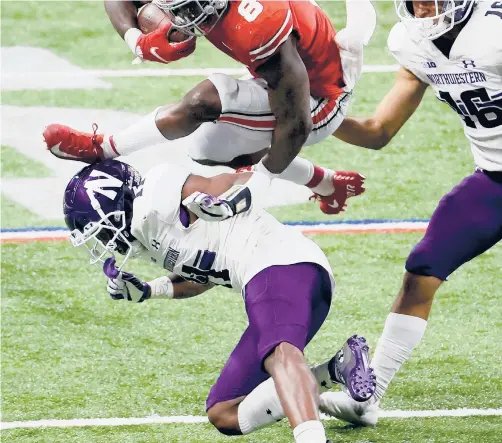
<point>251,31</point>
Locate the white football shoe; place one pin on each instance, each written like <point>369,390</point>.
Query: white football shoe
<point>342,407</point>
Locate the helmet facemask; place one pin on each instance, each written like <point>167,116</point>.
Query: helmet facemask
<point>98,207</point>
<point>193,17</point>
<point>447,14</point>
<point>104,238</point>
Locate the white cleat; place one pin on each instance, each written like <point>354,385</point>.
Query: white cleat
<point>342,407</point>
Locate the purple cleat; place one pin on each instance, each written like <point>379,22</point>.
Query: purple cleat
<point>350,367</point>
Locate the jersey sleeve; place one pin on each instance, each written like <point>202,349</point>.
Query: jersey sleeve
<point>157,207</point>
<point>270,30</point>
<point>402,48</point>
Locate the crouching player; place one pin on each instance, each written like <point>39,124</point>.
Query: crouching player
<point>285,280</point>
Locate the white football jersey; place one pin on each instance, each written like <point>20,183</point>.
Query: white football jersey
<point>469,81</point>
<point>227,253</point>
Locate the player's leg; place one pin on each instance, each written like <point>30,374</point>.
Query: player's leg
<point>240,375</point>
<point>237,147</point>
<point>466,223</point>
<point>297,391</point>
<point>240,380</point>
<point>243,132</point>
<point>201,104</point>
<point>288,305</point>
<point>306,302</point>
<point>221,142</point>
<point>226,144</point>
<point>166,123</point>
<point>223,101</point>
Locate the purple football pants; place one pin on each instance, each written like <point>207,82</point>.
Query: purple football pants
<point>466,223</point>
<point>283,304</point>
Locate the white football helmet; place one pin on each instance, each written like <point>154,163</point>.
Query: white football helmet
<point>193,17</point>
<point>448,13</point>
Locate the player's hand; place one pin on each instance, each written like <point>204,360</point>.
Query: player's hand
<point>208,207</point>
<point>123,285</point>
<point>155,47</point>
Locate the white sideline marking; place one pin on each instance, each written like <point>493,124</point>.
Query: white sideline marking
<point>192,419</point>
<point>41,63</point>
<point>40,77</point>
<point>464,412</point>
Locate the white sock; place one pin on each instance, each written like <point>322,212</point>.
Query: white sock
<point>305,173</point>
<point>310,432</point>
<point>142,134</point>
<point>323,377</point>
<point>262,407</point>
<point>400,335</point>
<point>300,171</point>
<point>325,186</point>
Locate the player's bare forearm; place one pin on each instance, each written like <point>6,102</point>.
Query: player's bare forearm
<point>365,132</point>
<point>289,96</point>
<point>122,14</point>
<point>185,289</point>
<point>391,114</point>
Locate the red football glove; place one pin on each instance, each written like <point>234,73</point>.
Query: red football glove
<point>155,47</point>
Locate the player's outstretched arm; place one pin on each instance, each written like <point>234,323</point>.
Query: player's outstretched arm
<point>123,285</point>
<point>391,114</point>
<point>289,96</point>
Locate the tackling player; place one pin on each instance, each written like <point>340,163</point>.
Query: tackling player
<point>456,48</point>
<point>298,95</point>
<point>285,280</point>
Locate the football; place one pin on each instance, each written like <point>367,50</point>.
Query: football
<point>151,17</point>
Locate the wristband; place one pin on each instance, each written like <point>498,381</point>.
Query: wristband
<point>131,38</point>
<point>162,287</point>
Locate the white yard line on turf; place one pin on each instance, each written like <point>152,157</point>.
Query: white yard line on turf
<point>148,72</point>
<point>191,419</point>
